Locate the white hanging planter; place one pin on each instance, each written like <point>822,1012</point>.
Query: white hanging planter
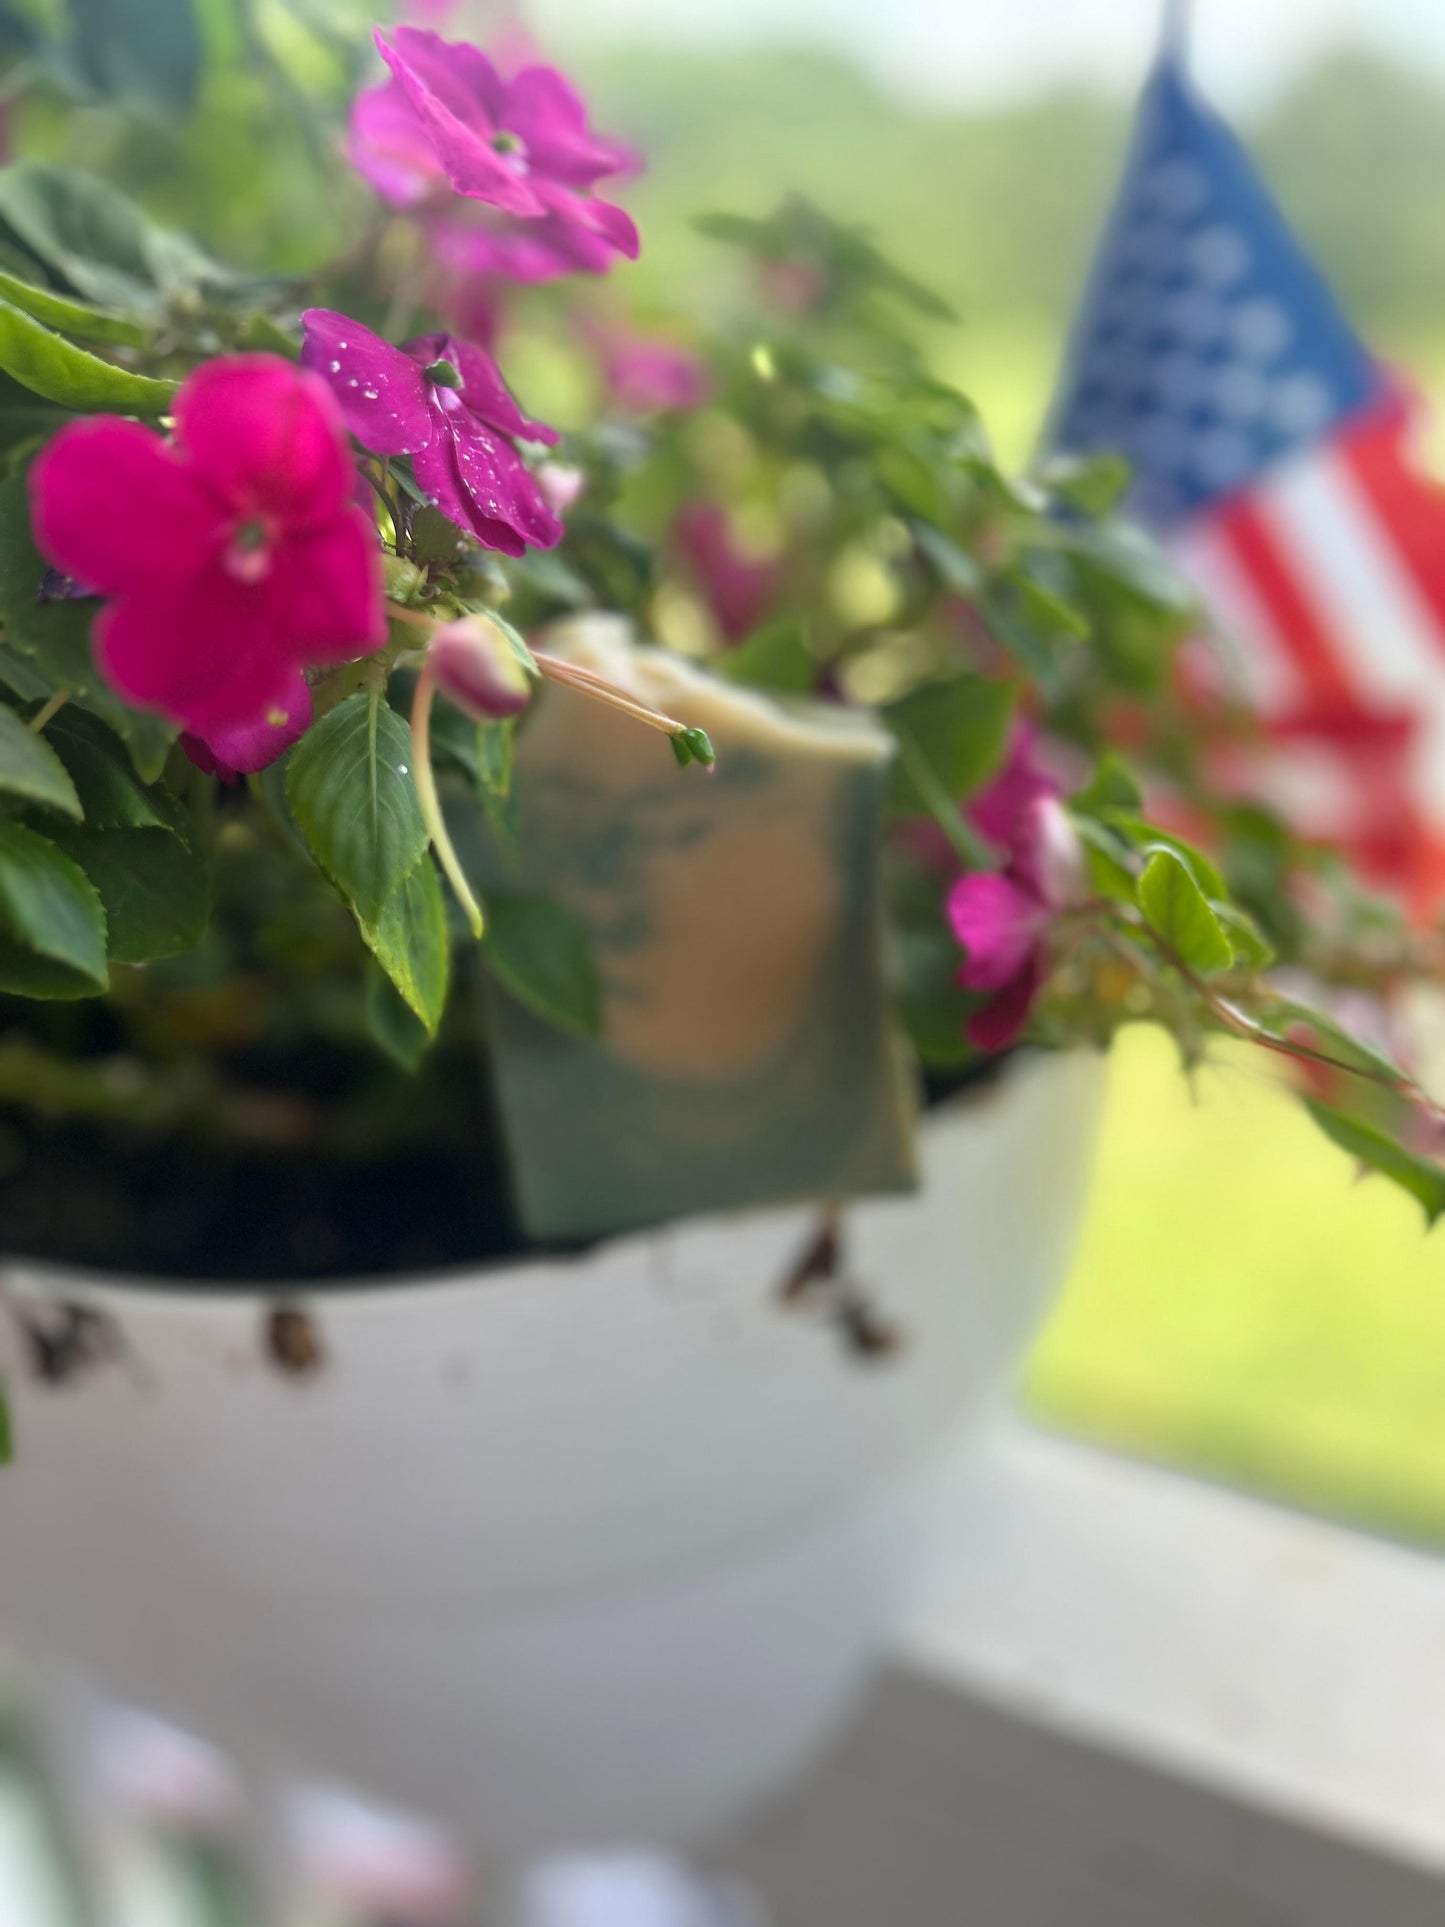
<point>578,1550</point>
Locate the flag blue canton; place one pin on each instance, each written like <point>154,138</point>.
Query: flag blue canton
<point>1208,346</point>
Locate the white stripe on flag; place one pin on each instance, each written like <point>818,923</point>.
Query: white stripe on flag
<point>1245,628</point>
<point>1344,564</point>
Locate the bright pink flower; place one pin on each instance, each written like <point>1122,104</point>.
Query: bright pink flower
<point>444,403</point>
<point>646,374</point>
<point>738,588</point>
<point>447,119</point>
<point>232,558</point>
<point>1003,918</point>
<point>997,811</point>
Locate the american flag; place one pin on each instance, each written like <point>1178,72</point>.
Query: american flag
<point>1281,463</point>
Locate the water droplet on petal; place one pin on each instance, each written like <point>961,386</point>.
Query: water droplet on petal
<point>335,367</point>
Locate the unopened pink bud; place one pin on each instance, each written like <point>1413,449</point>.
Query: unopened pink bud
<point>476,668</point>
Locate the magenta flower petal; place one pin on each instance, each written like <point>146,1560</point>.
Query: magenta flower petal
<point>477,478</point>
<point>999,925</point>
<point>548,115</point>
<point>265,435</point>
<point>461,125</point>
<point>1001,1020</point>
<point>114,508</point>
<point>384,398</point>
<point>235,557</point>
<point>390,149</point>
<point>239,749</point>
<point>997,811</point>
<point>327,584</point>
<point>483,390</point>
<point>198,649</point>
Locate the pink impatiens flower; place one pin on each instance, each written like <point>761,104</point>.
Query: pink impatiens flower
<point>447,120</point>
<point>1003,918</point>
<point>444,403</point>
<point>646,374</point>
<point>232,557</point>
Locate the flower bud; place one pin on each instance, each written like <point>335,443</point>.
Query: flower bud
<point>477,669</point>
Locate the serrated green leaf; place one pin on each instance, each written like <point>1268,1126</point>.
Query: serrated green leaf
<point>411,943</point>
<point>1377,1152</point>
<point>541,953</point>
<point>71,317</point>
<point>155,886</point>
<point>349,785</point>
<point>52,926</point>
<point>960,729</point>
<point>775,657</point>
<point>30,768</point>
<point>54,636</point>
<point>1179,911</point>
<point>112,796</point>
<point>392,1023</point>
<point>54,368</point>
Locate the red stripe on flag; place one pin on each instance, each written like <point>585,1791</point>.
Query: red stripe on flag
<point>1295,621</point>
<point>1408,501</point>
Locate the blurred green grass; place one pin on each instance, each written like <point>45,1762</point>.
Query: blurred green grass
<point>1243,1307</point>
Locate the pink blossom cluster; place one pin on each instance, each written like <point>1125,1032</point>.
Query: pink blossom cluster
<point>239,554</point>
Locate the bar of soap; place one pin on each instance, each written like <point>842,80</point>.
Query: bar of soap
<point>748,1053</point>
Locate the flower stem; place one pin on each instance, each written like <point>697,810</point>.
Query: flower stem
<point>426,791</point>
<point>49,709</point>
<point>571,676</point>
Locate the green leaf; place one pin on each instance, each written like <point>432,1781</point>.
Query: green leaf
<point>955,567</point>
<point>29,767</point>
<point>392,1023</point>
<point>1047,610</point>
<point>1423,1180</point>
<point>155,886</point>
<point>775,657</point>
<point>411,943</point>
<point>101,245</point>
<point>25,418</point>
<point>1111,787</point>
<point>1250,945</point>
<point>1094,484</point>
<point>52,926</point>
<point>50,366</point>
<point>349,785</point>
<point>960,729</point>
<point>55,635</point>
<point>144,51</point>
<point>540,952</point>
<point>112,796</point>
<point>72,317</point>
<point>1179,911</point>
<point>931,1002</point>
<point>1110,861</point>
<point>1147,837</point>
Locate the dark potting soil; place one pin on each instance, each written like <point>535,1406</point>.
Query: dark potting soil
<point>190,1206</point>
